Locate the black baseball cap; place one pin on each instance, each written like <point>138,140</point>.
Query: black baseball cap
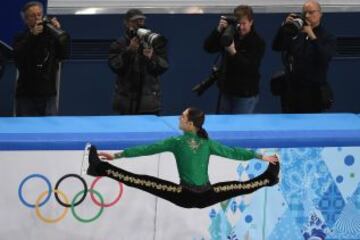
<point>133,14</point>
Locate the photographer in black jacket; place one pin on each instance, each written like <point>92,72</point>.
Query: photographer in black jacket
<point>138,59</point>
<point>240,76</point>
<point>307,52</point>
<point>37,53</point>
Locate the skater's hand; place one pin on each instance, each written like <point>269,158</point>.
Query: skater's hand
<point>273,159</point>
<point>106,156</point>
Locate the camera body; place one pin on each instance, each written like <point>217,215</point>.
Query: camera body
<point>227,36</point>
<point>149,39</point>
<point>294,27</point>
<point>201,87</point>
<point>60,35</point>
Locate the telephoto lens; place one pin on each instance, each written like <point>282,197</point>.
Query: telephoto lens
<point>201,87</point>
<point>154,40</point>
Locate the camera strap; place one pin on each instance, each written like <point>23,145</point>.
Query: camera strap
<point>218,60</point>
<point>217,64</point>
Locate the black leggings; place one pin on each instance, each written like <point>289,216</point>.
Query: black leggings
<point>185,196</point>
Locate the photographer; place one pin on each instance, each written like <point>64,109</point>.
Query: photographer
<point>138,59</point>
<point>242,51</point>
<point>37,53</point>
<point>307,49</point>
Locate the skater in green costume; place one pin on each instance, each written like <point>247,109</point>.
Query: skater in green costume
<point>192,151</point>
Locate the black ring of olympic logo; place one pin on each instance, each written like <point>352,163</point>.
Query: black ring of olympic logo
<point>62,179</point>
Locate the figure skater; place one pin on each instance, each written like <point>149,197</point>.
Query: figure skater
<point>192,151</point>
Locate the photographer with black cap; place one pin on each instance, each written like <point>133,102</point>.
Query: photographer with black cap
<point>307,49</point>
<point>138,59</point>
<point>37,54</point>
<point>242,50</point>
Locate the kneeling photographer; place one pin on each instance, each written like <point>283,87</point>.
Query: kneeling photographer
<point>242,50</point>
<point>307,49</point>
<point>138,59</point>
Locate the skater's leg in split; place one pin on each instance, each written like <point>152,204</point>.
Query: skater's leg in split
<point>158,187</point>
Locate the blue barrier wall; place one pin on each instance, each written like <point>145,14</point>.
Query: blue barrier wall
<point>189,64</point>
<point>119,132</point>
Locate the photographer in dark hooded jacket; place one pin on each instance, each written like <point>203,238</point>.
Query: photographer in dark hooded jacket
<point>138,67</point>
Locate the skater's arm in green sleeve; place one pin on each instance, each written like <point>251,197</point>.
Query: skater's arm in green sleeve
<point>146,150</point>
<point>235,153</point>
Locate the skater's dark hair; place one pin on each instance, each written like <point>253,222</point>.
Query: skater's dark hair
<point>198,118</point>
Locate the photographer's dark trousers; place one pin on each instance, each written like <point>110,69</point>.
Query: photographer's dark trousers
<point>230,104</point>
<point>36,106</point>
<point>302,100</point>
<point>187,196</point>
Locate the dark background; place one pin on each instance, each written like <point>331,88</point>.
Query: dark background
<point>87,84</point>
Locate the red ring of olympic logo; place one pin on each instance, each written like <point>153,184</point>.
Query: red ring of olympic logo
<point>63,199</point>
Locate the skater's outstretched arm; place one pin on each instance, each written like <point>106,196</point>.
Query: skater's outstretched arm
<point>144,150</point>
<point>237,153</point>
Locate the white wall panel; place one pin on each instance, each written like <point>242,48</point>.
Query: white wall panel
<point>188,6</point>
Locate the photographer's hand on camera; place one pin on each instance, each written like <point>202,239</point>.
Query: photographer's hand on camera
<point>55,22</point>
<point>37,28</point>
<point>222,24</point>
<point>309,30</point>
<point>134,44</point>
<point>290,17</point>
<point>231,49</point>
<point>148,52</point>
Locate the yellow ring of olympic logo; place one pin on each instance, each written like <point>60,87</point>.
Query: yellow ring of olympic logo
<point>48,220</point>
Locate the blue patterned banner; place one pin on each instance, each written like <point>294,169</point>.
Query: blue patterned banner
<point>318,198</point>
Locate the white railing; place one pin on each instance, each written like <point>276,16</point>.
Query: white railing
<point>189,6</point>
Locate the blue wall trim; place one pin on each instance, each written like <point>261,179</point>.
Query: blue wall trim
<point>252,131</point>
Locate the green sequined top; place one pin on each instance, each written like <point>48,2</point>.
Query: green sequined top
<point>192,155</point>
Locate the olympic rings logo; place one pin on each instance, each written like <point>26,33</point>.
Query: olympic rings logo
<point>44,197</point>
